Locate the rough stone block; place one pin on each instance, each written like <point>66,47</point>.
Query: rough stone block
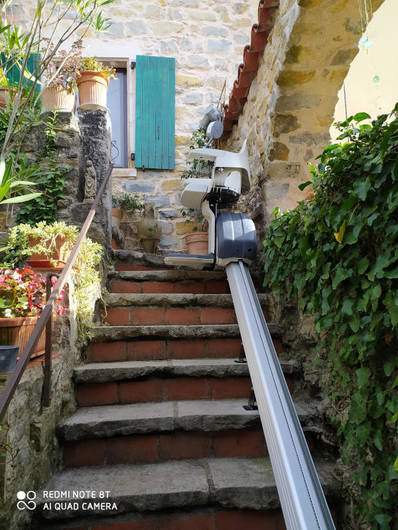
<point>157,200</point>
<point>220,46</point>
<point>143,187</point>
<point>285,123</point>
<point>136,27</point>
<point>289,78</point>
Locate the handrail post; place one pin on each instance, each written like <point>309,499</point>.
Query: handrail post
<point>46,396</point>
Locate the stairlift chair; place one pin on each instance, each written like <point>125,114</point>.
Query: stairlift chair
<point>232,236</point>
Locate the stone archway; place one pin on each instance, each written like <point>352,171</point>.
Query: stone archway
<point>291,103</point>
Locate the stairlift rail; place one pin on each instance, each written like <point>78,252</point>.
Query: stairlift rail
<point>302,499</point>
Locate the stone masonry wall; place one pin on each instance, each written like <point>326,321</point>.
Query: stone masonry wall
<point>207,40</point>
<point>291,102</point>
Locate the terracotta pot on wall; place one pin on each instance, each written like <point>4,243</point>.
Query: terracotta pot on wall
<point>258,39</point>
<point>197,243</point>
<point>57,98</point>
<point>16,332</point>
<point>92,87</point>
<point>41,261</point>
<point>266,12</point>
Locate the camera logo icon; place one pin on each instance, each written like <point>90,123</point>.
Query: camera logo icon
<point>26,500</point>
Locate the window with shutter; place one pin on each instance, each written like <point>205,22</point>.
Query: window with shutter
<point>155,112</point>
<point>13,73</point>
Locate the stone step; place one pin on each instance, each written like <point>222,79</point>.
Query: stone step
<point>122,370</point>
<point>183,309</point>
<point>113,333</point>
<point>167,416</point>
<point>161,447</point>
<point>142,381</point>
<point>237,483</point>
<point>132,260</point>
<point>152,349</point>
<point>172,281</point>
<point>205,518</point>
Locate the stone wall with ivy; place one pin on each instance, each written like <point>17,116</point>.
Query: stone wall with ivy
<point>337,256</point>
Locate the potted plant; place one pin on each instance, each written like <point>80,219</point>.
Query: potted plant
<point>197,240</point>
<point>21,302</point>
<point>93,80</point>
<point>59,92</point>
<point>43,245</point>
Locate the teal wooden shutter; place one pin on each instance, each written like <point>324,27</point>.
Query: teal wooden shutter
<point>14,73</point>
<point>155,112</point>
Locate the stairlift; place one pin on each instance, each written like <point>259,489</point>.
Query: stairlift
<point>232,236</point>
<point>232,244</point>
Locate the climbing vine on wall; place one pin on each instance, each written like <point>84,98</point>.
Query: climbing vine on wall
<point>50,181</point>
<point>337,253</point>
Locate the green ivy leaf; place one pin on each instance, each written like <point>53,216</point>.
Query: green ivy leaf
<point>362,187</point>
<point>363,375</point>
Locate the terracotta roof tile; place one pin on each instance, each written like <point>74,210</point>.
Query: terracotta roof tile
<point>248,69</point>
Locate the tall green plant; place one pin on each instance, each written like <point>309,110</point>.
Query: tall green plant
<point>338,254</point>
<point>51,28</point>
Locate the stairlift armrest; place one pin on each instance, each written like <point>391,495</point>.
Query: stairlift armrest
<point>203,154</point>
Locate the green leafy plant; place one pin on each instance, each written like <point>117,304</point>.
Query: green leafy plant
<point>50,181</point>
<point>14,185</point>
<point>85,275</point>
<point>129,202</point>
<point>337,254</point>
<point>197,168</point>
<point>93,65</point>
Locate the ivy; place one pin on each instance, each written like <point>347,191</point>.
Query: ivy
<point>50,182</point>
<point>337,254</point>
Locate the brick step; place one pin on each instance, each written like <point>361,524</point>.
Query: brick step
<point>168,281</point>
<point>142,381</point>
<point>167,416</point>
<point>223,483</point>
<point>184,309</point>
<point>160,447</point>
<point>203,331</point>
<point>196,519</point>
<point>146,350</point>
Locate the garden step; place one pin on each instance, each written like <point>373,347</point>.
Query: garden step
<point>240,483</point>
<point>202,415</point>
<point>169,281</point>
<point>202,518</point>
<point>160,447</point>
<point>132,260</point>
<point>121,370</point>
<point>145,350</point>
<point>142,381</point>
<point>184,309</point>
<point>112,333</point>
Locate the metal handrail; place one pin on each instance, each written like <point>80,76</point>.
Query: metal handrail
<point>46,314</point>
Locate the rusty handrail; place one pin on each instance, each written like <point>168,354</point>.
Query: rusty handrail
<point>16,375</point>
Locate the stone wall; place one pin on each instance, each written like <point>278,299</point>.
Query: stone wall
<point>207,40</point>
<point>291,102</point>
<point>32,426</point>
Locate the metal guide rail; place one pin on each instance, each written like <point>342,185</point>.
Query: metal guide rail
<point>302,499</point>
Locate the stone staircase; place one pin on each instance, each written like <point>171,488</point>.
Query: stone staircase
<point>160,421</point>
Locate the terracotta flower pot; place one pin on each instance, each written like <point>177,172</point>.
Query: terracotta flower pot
<point>16,332</point>
<point>93,88</point>
<point>197,243</point>
<point>42,261</point>
<point>116,216</point>
<point>258,39</point>
<point>57,98</point>
<point>250,59</point>
<point>245,77</point>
